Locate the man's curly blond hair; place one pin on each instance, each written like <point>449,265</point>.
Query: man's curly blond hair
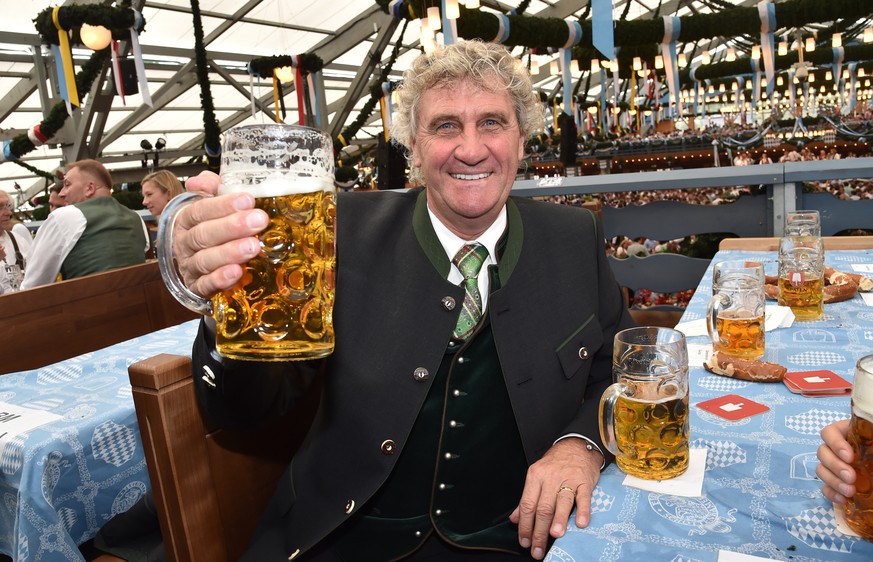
<point>487,66</point>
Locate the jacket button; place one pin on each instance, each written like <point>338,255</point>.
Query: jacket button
<point>294,554</point>
<point>208,377</point>
<point>583,353</point>
<point>420,374</point>
<point>388,447</point>
<point>350,506</point>
<point>448,303</point>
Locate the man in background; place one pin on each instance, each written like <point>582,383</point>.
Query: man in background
<point>55,201</point>
<point>91,234</point>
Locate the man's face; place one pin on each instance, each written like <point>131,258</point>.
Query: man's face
<point>468,145</point>
<point>5,211</point>
<point>55,200</point>
<point>76,187</point>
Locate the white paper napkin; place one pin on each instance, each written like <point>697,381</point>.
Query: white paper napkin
<point>689,484</point>
<point>775,316</point>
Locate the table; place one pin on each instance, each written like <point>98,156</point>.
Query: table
<point>760,493</point>
<point>61,482</point>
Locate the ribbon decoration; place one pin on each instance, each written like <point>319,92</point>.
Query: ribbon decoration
<point>276,95</point>
<point>602,34</point>
<point>116,71</point>
<point>604,123</point>
<point>316,93</point>
<point>450,29</point>
<point>36,136</point>
<point>386,109</point>
<point>767,13</point>
<point>136,51</point>
<point>672,27</point>
<point>299,86</point>
<point>839,55</point>
<point>502,28</point>
<point>64,62</point>
<point>756,82</point>
<point>852,85</point>
<point>6,155</point>
<point>252,91</point>
<point>574,35</point>
<point>395,8</point>
<point>695,83</point>
<point>791,72</point>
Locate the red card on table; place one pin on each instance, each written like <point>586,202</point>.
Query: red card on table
<point>817,383</point>
<point>732,407</point>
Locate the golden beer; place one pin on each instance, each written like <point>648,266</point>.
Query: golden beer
<point>740,334</point>
<point>652,437</point>
<point>859,508</point>
<point>282,308</point>
<point>803,293</point>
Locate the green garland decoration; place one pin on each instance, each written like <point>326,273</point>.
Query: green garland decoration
<point>118,20</point>
<point>263,67</point>
<point>21,144</point>
<point>375,94</point>
<point>211,129</point>
<point>36,171</point>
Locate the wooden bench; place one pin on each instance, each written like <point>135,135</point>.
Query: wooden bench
<point>47,324</point>
<point>210,486</point>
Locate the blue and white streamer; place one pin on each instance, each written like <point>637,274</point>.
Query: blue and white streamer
<point>395,7</point>
<point>565,55</point>
<point>7,155</point>
<point>450,29</point>
<point>852,85</point>
<point>839,55</point>
<point>672,28</point>
<point>602,36</point>
<point>756,82</point>
<point>767,13</point>
<point>137,58</point>
<point>502,28</point>
<point>574,34</point>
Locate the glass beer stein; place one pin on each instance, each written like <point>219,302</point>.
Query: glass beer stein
<point>644,414</point>
<point>735,315</point>
<point>859,508</point>
<point>282,308</point>
<point>801,276</point>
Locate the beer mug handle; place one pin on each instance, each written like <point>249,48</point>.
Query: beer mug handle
<point>607,415</point>
<point>717,301</point>
<point>166,262</point>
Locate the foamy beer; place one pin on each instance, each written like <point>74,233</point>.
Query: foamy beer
<point>736,310</point>
<point>282,308</point>
<point>644,414</point>
<point>801,276</point>
<point>859,508</point>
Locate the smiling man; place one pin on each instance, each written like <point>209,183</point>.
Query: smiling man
<point>459,412</point>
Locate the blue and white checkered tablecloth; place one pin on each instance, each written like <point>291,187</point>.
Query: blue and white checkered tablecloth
<point>61,482</point>
<point>760,493</point>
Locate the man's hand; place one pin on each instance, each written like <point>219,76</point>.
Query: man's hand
<point>214,236</point>
<point>564,478</point>
<point>834,470</point>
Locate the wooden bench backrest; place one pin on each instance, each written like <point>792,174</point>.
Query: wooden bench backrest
<point>210,486</point>
<point>47,324</point>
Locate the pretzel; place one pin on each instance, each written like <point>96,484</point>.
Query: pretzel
<point>840,292</point>
<point>744,369</point>
<point>834,277</point>
<point>771,291</point>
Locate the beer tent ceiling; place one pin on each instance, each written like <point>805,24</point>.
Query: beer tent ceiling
<point>344,33</point>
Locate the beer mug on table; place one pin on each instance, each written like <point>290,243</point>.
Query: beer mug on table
<point>803,223</point>
<point>735,315</point>
<point>801,276</point>
<point>282,308</point>
<point>644,414</point>
<point>859,508</point>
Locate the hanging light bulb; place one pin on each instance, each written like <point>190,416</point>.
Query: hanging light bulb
<point>659,62</point>
<point>95,37</point>
<point>779,81</point>
<point>811,78</point>
<point>837,40</point>
<point>721,88</point>
<point>595,65</point>
<point>574,67</point>
<point>285,73</point>
<point>706,58</point>
<point>783,48</point>
<point>731,55</point>
<point>861,73</point>
<point>683,60</point>
<point>829,76</point>
<point>433,18</point>
<point>638,63</point>
<point>472,4</point>
<point>452,10</point>
<point>868,35</point>
<point>553,67</point>
<point>534,68</point>
<point>810,44</point>
<point>756,52</point>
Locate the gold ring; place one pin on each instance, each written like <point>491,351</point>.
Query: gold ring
<point>566,489</point>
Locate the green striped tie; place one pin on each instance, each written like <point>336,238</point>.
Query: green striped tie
<point>469,260</point>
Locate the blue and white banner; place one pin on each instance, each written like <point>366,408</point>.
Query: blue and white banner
<point>672,27</point>
<point>767,13</point>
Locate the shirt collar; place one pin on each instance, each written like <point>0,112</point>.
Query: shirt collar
<point>451,242</point>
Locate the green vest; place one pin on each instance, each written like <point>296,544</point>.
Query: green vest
<point>113,238</point>
<point>462,470</point>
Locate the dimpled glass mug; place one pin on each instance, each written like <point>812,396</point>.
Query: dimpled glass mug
<point>644,414</point>
<point>282,308</point>
<point>735,315</point>
<point>859,508</point>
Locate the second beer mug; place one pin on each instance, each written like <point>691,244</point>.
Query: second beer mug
<point>644,414</point>
<point>801,276</point>
<point>282,308</point>
<point>859,508</point>
<point>735,315</point>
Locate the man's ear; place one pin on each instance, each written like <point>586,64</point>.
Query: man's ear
<point>90,189</point>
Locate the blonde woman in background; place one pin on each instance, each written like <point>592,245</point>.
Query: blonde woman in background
<point>157,190</point>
